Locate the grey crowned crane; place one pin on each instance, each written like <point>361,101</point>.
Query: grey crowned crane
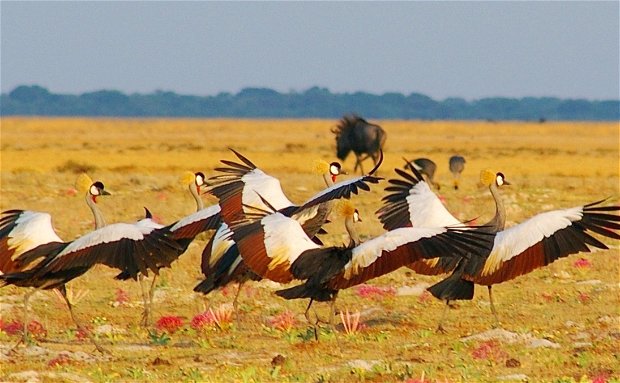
<point>276,247</point>
<point>516,251</point>
<point>24,230</point>
<point>132,248</point>
<point>183,231</point>
<point>240,187</point>
<point>457,165</point>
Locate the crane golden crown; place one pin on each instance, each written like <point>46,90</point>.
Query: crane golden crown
<point>83,182</point>
<point>187,178</point>
<point>487,177</point>
<point>345,208</point>
<point>320,167</point>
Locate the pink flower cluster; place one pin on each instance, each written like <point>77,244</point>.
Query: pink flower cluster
<point>375,292</point>
<point>15,327</point>
<point>489,350</point>
<point>169,324</point>
<point>284,321</point>
<point>60,360</point>
<point>121,297</point>
<point>202,320</point>
<point>582,263</point>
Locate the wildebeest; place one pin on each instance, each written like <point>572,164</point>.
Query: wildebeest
<point>353,133</point>
<point>457,164</point>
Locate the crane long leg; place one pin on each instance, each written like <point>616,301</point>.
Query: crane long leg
<point>236,302</point>
<point>145,299</point>
<point>150,303</point>
<point>315,323</point>
<point>443,318</point>
<point>24,338</point>
<point>332,311</point>
<point>307,312</point>
<point>63,292</point>
<point>497,324</point>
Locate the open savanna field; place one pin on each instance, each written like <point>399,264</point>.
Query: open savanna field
<point>560,323</point>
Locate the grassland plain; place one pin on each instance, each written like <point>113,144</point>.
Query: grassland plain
<point>562,322</point>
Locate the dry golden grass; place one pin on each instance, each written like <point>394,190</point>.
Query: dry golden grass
<point>551,165</point>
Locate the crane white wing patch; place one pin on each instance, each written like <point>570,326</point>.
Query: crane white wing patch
<point>31,230</point>
<point>267,186</point>
<point>515,240</point>
<point>107,234</point>
<point>426,210</point>
<point>285,240</point>
<point>370,251</point>
<point>221,243</point>
<point>197,216</point>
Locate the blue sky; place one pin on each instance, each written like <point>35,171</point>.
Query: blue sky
<point>442,49</point>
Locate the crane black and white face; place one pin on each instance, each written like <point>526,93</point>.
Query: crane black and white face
<point>199,179</point>
<point>97,189</point>
<point>335,169</point>
<point>500,179</point>
<point>356,216</point>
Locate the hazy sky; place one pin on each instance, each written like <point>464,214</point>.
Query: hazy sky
<point>442,49</point>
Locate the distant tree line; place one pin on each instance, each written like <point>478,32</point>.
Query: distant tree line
<point>313,103</point>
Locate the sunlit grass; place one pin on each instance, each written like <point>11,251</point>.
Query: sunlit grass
<point>573,303</point>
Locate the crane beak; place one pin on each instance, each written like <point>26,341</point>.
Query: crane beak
<point>105,192</point>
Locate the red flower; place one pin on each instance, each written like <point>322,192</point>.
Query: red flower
<point>582,263</point>
<point>284,321</point>
<point>13,328</point>
<point>583,297</point>
<point>60,360</point>
<point>370,291</point>
<point>202,320</point>
<point>601,378</point>
<point>169,324</point>
<point>425,297</point>
<point>122,297</point>
<point>37,330</point>
<point>489,350</point>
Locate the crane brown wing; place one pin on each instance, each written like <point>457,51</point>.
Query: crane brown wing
<point>151,252</point>
<point>194,224</point>
<point>451,243</point>
<point>434,266</point>
<point>21,231</point>
<point>504,263</point>
<point>250,238</point>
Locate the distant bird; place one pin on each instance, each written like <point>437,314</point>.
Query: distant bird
<point>457,165</point>
<point>131,248</point>
<point>243,183</point>
<point>354,133</point>
<point>517,250</point>
<point>24,230</point>
<point>427,168</point>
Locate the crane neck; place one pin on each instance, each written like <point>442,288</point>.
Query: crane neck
<point>99,220</point>
<point>498,222</point>
<point>353,235</point>
<point>327,177</point>
<point>194,191</point>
